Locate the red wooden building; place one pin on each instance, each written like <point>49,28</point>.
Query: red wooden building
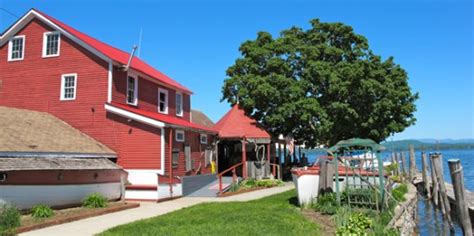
<point>135,110</point>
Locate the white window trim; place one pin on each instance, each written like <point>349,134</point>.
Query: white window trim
<point>176,135</point>
<point>160,90</point>
<point>135,90</point>
<point>182,108</point>
<point>44,43</point>
<point>202,136</point>
<point>22,48</point>
<point>63,78</point>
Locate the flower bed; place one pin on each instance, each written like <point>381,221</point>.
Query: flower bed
<point>249,185</point>
<point>29,223</point>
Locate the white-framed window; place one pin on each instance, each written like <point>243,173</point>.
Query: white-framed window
<point>68,87</point>
<point>179,135</point>
<point>16,48</point>
<point>179,104</point>
<point>51,44</point>
<point>203,138</point>
<point>132,90</point>
<point>163,101</point>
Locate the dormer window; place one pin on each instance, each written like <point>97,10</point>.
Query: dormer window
<point>51,44</point>
<point>16,48</point>
<point>179,104</point>
<point>163,101</point>
<point>132,90</point>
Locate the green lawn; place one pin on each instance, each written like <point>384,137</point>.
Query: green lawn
<point>274,215</point>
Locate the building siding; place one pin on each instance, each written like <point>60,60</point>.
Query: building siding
<point>34,83</point>
<point>147,95</point>
<point>197,153</point>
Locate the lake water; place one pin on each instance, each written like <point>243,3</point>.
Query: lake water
<point>431,221</point>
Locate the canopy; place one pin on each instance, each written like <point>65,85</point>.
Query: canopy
<point>356,142</point>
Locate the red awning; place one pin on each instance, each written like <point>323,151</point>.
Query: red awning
<point>166,119</point>
<point>235,124</point>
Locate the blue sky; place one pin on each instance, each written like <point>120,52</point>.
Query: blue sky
<point>195,42</point>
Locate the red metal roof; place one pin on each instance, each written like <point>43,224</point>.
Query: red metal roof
<point>235,124</point>
<point>118,55</point>
<point>170,120</point>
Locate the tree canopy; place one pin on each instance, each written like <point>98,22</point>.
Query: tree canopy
<point>320,85</point>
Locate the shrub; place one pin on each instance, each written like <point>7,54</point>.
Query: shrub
<point>234,187</point>
<point>326,204</point>
<point>9,219</point>
<point>357,224</point>
<point>399,192</point>
<point>392,167</point>
<point>266,183</point>
<point>248,183</point>
<point>41,211</point>
<point>94,200</point>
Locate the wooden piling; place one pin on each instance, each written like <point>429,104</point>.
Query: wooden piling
<point>457,177</point>
<point>326,175</point>
<point>424,173</point>
<point>434,183</point>
<point>445,207</point>
<point>412,172</point>
<point>404,164</point>
<point>394,161</point>
<point>398,157</point>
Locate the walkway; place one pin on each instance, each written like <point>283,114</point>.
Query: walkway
<point>95,225</point>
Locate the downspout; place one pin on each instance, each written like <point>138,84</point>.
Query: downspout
<point>171,162</point>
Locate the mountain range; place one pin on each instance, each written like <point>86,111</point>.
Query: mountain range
<point>430,144</point>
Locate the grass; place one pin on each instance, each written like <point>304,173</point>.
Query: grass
<point>273,215</point>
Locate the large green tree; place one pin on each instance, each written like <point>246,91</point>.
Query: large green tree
<point>320,85</point>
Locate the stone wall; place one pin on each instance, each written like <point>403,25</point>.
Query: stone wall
<point>405,214</point>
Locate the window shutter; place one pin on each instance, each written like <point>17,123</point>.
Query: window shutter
<point>187,155</point>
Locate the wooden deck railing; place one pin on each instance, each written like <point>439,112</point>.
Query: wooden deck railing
<point>234,176</point>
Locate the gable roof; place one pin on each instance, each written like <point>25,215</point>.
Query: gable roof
<point>56,163</point>
<point>198,117</point>
<point>236,124</point>
<point>96,46</point>
<point>29,131</point>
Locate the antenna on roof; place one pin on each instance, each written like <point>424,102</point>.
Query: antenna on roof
<point>139,42</point>
<point>125,67</point>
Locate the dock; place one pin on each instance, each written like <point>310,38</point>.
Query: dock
<point>469,196</point>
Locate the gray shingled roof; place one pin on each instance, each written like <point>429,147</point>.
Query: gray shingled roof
<point>55,163</point>
<point>39,132</point>
<point>198,117</point>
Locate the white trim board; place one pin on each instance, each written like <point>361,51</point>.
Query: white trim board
<point>133,116</point>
